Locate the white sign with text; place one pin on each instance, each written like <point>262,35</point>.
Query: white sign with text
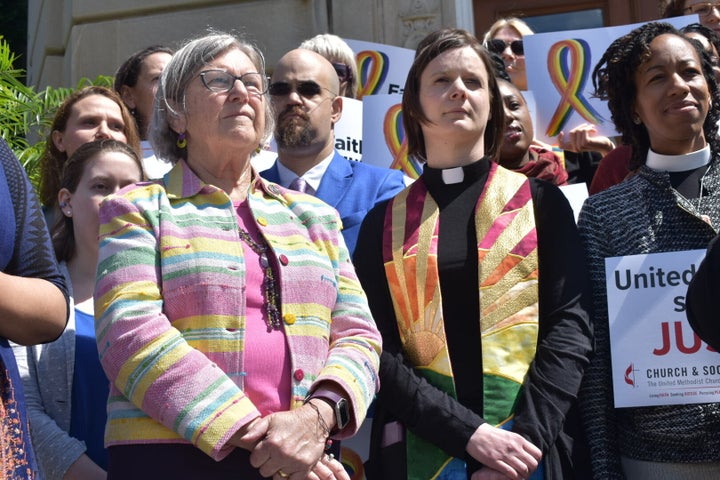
<point>560,66</point>
<point>657,359</point>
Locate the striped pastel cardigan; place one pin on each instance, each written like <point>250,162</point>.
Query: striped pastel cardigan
<point>170,309</point>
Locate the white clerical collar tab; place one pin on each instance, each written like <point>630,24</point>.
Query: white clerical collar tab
<point>679,163</point>
<point>453,175</point>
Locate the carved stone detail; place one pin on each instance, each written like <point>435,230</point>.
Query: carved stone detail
<point>417,19</point>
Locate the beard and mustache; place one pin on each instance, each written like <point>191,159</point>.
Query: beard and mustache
<point>296,131</point>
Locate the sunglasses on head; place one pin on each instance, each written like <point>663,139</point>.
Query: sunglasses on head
<point>343,71</point>
<point>498,46</point>
<point>307,89</point>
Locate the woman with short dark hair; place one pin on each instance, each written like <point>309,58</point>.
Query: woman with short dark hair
<point>475,277</point>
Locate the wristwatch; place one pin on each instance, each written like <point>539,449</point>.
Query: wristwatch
<point>338,403</point>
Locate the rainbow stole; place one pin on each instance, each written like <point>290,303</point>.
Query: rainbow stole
<point>508,276</point>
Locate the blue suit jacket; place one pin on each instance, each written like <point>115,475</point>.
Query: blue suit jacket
<point>353,188</point>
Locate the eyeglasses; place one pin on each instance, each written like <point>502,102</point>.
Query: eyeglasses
<point>307,89</point>
<point>344,72</point>
<point>703,9</point>
<point>498,46</point>
<point>222,81</point>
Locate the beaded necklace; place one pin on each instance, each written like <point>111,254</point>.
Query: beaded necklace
<point>270,288</point>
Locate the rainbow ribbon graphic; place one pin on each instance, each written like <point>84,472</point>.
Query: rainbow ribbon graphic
<point>397,143</point>
<point>372,70</point>
<point>353,463</point>
<point>569,63</point>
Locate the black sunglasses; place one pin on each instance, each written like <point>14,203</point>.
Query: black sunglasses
<point>307,89</point>
<point>343,71</point>
<point>498,46</point>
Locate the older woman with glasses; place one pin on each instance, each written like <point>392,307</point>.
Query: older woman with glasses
<point>707,12</point>
<point>230,321</point>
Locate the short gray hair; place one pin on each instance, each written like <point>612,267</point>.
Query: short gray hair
<point>177,75</point>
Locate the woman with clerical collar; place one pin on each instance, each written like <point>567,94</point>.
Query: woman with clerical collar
<point>660,89</point>
<point>475,277</point>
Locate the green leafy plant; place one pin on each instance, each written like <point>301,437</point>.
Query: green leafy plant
<point>26,114</point>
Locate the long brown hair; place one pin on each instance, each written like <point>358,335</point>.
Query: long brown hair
<point>62,234</point>
<point>52,159</point>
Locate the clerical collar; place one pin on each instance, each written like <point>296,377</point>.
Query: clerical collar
<point>456,175</point>
<point>678,163</point>
<point>452,176</point>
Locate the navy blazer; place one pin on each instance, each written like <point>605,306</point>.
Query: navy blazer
<point>352,188</point>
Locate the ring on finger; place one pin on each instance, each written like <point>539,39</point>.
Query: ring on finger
<point>282,474</point>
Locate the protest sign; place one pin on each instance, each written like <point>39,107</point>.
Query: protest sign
<point>385,144</point>
<point>382,69</point>
<point>348,130</point>
<point>559,69</point>
<point>576,195</point>
<point>657,359</point>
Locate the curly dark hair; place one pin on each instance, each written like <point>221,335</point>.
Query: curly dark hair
<point>706,32</point>
<point>614,80</point>
<point>499,64</point>
<point>52,159</point>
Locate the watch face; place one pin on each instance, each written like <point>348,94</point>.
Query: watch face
<point>342,413</point>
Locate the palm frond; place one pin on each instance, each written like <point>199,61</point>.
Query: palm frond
<point>25,113</point>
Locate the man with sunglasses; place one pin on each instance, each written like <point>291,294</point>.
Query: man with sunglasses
<point>304,94</point>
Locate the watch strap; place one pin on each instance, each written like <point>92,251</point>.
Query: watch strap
<point>338,404</point>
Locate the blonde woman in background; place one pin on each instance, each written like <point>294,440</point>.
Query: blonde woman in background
<point>505,37</point>
<point>339,53</point>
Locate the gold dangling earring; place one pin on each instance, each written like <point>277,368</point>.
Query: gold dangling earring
<point>181,141</point>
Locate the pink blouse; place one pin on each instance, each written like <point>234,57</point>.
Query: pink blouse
<point>267,358</point>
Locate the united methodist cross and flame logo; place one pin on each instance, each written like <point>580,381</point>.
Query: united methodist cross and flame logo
<point>630,375</point>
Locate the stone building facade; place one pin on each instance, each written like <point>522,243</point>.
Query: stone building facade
<point>72,39</point>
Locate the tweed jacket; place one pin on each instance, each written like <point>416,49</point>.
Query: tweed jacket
<point>47,375</point>
<point>644,214</point>
<point>170,309</point>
